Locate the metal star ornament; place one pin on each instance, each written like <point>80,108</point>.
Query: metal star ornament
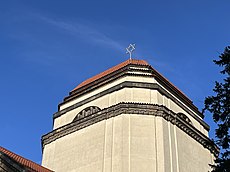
<point>130,49</point>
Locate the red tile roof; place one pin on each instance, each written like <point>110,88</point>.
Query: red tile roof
<point>111,70</point>
<point>23,161</point>
<point>119,66</point>
<point>156,74</point>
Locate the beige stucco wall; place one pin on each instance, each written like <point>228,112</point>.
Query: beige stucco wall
<point>189,150</point>
<point>127,143</point>
<point>107,86</point>
<point>140,95</point>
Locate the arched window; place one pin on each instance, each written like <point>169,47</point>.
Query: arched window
<point>86,112</point>
<point>184,117</point>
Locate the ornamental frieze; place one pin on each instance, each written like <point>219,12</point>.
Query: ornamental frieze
<point>92,115</point>
<point>86,112</point>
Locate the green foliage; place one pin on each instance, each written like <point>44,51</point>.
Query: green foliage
<point>219,106</point>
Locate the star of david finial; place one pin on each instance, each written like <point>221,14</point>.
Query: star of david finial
<point>130,49</point>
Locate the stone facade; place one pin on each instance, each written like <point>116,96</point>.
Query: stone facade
<point>131,119</point>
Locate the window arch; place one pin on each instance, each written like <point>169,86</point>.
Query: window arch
<point>86,112</point>
<point>184,117</point>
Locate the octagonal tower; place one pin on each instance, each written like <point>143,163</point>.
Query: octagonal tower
<point>128,118</point>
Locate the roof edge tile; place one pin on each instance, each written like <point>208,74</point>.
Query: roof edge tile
<point>23,161</point>
<point>111,70</point>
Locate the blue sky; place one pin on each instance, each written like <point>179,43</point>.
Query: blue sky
<point>49,47</point>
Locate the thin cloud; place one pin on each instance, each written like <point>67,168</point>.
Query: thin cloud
<point>87,33</point>
<point>162,65</point>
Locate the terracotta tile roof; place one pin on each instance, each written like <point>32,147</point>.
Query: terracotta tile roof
<point>106,76</point>
<point>111,70</point>
<point>167,82</point>
<point>160,78</point>
<point>25,162</point>
<point>121,65</point>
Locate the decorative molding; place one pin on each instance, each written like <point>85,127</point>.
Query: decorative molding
<point>184,117</point>
<point>86,112</point>
<point>144,71</point>
<point>132,108</point>
<point>129,84</point>
<point>103,81</point>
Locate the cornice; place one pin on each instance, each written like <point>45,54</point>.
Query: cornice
<point>110,71</point>
<point>129,70</point>
<point>129,84</point>
<point>125,71</point>
<point>132,108</point>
